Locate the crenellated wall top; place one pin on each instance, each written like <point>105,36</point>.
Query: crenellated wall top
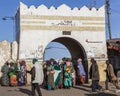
<point>61,10</point>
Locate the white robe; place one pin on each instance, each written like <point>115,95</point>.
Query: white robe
<point>38,73</point>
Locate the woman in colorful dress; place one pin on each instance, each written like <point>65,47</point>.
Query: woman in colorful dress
<point>82,73</point>
<point>67,75</point>
<point>13,70</point>
<point>50,76</point>
<point>5,77</point>
<point>22,74</point>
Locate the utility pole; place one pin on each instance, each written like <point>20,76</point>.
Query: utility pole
<point>108,18</point>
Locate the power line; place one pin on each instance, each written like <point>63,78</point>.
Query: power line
<point>113,10</point>
<point>55,47</point>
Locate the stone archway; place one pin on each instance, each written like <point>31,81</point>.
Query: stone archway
<point>73,46</point>
<point>76,50</point>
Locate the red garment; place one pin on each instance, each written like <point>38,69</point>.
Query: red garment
<point>13,80</point>
<point>82,79</point>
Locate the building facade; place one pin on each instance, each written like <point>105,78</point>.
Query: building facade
<point>82,31</point>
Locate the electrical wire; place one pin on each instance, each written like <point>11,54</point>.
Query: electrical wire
<point>55,47</point>
<point>115,11</point>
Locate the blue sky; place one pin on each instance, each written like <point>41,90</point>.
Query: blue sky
<point>9,7</point>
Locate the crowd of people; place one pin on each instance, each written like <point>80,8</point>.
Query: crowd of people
<point>62,74</point>
<point>52,74</point>
<point>57,74</point>
<point>14,73</point>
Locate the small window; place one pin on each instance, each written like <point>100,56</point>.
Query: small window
<point>66,32</point>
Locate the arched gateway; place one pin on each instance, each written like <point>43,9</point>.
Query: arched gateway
<point>82,31</point>
<point>76,50</point>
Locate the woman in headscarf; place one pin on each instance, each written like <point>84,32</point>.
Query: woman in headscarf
<point>50,75</point>
<point>5,77</point>
<point>13,70</point>
<point>82,74</point>
<point>67,74</point>
<point>22,74</point>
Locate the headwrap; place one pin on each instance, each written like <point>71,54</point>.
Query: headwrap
<point>35,60</point>
<point>10,61</point>
<point>51,60</point>
<point>79,60</point>
<point>22,62</point>
<point>68,63</point>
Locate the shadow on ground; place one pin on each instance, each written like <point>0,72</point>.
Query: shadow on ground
<point>25,91</point>
<point>81,88</point>
<point>100,94</point>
